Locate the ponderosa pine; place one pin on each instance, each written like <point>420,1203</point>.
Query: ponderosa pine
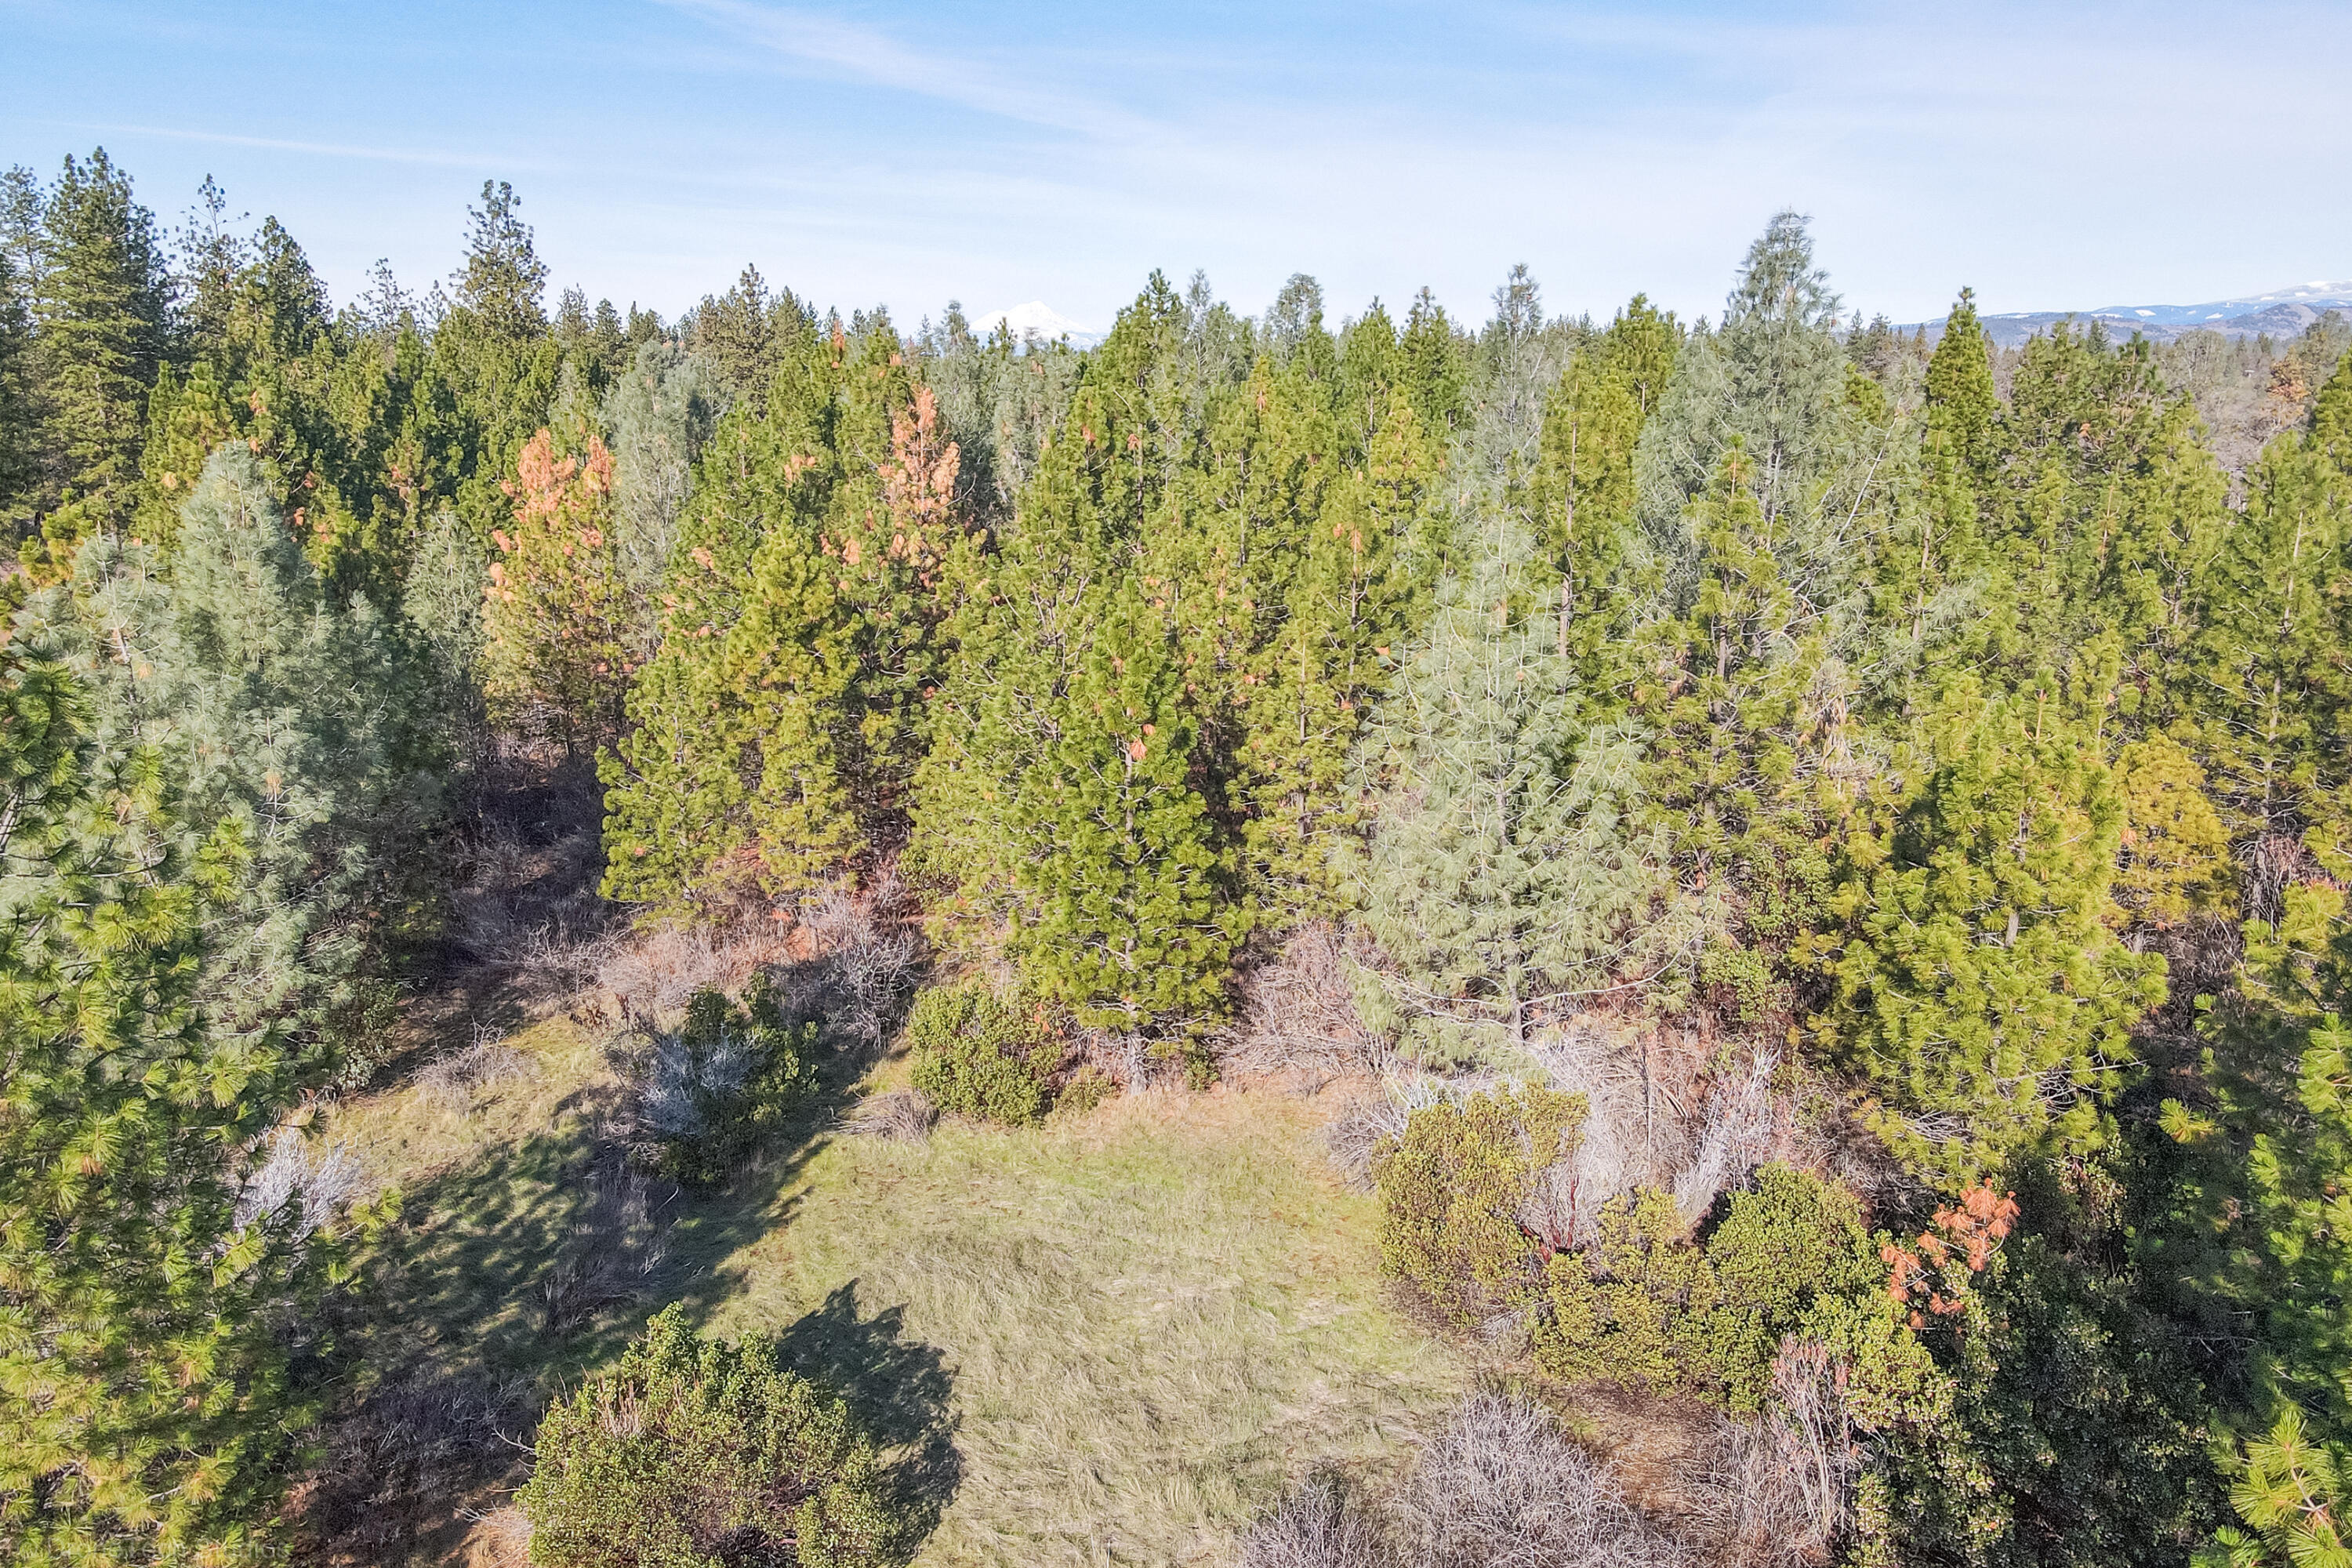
<point>99,302</point>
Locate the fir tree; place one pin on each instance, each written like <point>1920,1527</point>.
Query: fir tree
<point>1773,376</point>
<point>19,430</point>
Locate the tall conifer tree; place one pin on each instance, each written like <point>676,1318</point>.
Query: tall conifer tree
<point>98,307</point>
<point>1505,878</point>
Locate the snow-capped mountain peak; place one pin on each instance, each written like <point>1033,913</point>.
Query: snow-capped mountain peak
<point>1035,316</point>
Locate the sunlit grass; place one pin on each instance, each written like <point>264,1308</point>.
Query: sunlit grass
<point>1148,1320</point>
<point>1109,1339</point>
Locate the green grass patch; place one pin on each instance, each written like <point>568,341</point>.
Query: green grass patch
<point>1108,1339</point>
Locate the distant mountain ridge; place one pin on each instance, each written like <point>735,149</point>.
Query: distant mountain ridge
<point>2281,312</point>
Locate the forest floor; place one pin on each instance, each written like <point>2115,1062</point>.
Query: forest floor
<point>1108,1339</point>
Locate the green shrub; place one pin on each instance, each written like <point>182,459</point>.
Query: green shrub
<point>979,1055</point>
<point>696,1452</point>
<point>1650,1305</point>
<point>1452,1189</point>
<point>725,1080</point>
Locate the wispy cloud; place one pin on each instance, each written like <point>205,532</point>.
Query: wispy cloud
<point>421,156</point>
<point>874,58</point>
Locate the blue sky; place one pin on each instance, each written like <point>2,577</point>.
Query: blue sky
<point>2052,155</point>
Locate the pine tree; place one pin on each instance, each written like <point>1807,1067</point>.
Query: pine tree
<point>1506,880</point>
<point>1748,728</point>
<point>1976,987</point>
<point>891,516</point>
<point>1641,345</point>
<point>150,1301</point>
<point>1435,366</point>
<point>748,335</point>
<point>99,313</point>
<point>1582,500</point>
<point>1059,795</point>
<point>2261,1146</point>
<point>1962,395</point>
<point>730,780</point>
<point>188,418</point>
<point>1346,588</point>
<point>278,718</point>
<point>557,655</point>
<point>2291,1490</point>
<point>1926,569</point>
<point>2268,693</point>
<point>503,280</point>
<point>2103,509</point>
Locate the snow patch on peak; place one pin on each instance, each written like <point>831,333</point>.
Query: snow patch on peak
<point>1033,316</point>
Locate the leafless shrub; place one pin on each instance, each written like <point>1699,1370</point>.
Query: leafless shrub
<point>678,1079</point>
<point>2199,954</point>
<point>1120,1056</point>
<point>1776,1492</point>
<point>900,1116</point>
<point>648,979</point>
<point>561,954</point>
<point>1633,1134</point>
<point>1734,1136</point>
<point>2271,863</point>
<point>456,1083</point>
<point>1504,1488</point>
<point>1320,1525</point>
<point>401,1459</point>
<point>872,956</point>
<point>530,905</point>
<point>1354,1137</point>
<point>1300,1009</point>
<point>321,1180</point>
<point>500,1538</point>
<point>618,1243</point>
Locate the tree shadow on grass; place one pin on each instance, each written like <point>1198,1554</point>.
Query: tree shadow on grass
<point>896,1388</point>
<point>545,1255</point>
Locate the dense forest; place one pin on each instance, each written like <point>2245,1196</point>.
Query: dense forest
<point>1814,858</point>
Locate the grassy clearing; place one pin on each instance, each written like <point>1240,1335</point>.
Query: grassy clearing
<point>1109,1339</point>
